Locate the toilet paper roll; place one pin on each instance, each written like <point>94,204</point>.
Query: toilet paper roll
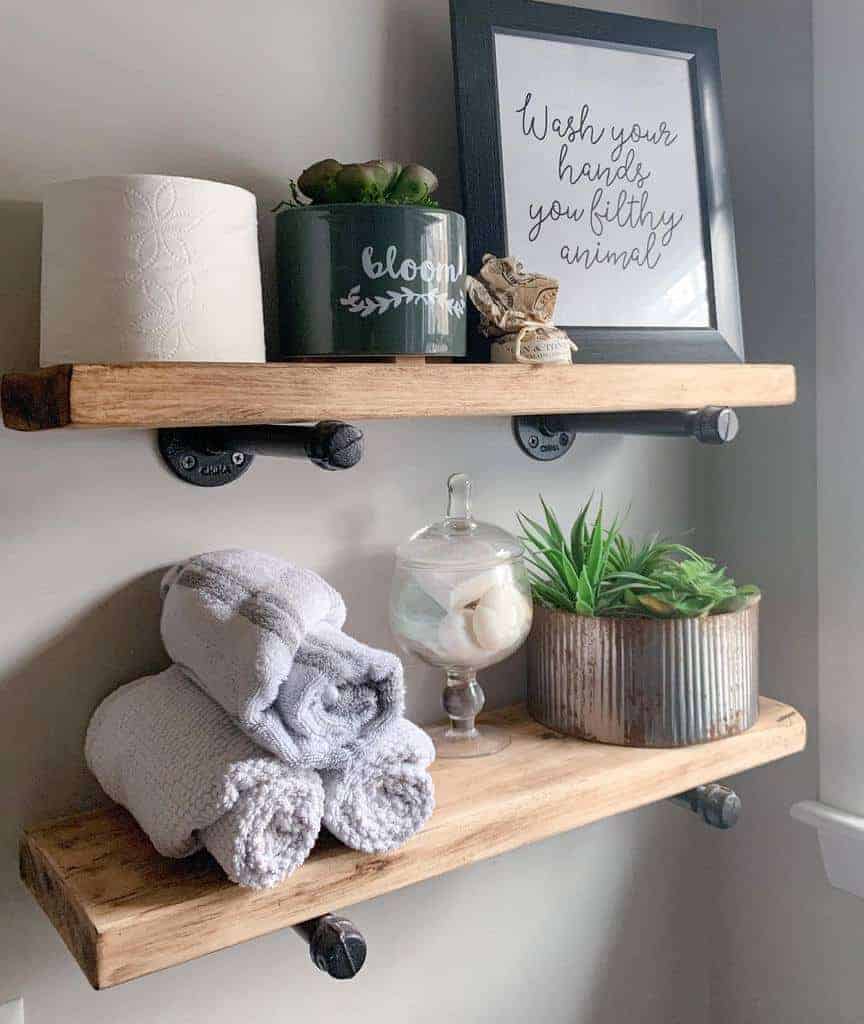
<point>146,268</point>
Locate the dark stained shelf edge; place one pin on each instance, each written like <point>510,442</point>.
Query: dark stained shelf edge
<point>38,400</point>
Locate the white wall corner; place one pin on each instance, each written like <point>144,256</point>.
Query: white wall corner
<point>841,840</point>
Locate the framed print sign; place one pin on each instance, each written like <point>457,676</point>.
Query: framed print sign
<point>592,150</point>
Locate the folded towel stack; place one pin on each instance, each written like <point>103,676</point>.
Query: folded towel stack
<point>271,719</point>
<point>168,753</point>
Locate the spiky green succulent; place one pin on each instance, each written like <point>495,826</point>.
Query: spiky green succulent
<point>594,570</point>
<point>384,182</point>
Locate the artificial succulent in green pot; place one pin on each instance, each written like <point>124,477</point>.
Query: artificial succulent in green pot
<point>368,264</point>
<point>384,182</point>
<point>638,644</point>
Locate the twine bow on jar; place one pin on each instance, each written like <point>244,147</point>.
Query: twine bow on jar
<point>516,310</point>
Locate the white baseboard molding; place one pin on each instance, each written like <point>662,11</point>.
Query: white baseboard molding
<point>841,839</point>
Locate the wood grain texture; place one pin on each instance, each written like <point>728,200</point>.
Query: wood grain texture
<point>148,395</point>
<point>37,400</point>
<point>124,911</point>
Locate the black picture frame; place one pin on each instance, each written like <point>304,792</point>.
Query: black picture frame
<point>473,26</point>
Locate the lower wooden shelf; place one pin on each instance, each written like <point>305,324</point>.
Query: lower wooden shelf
<point>124,911</point>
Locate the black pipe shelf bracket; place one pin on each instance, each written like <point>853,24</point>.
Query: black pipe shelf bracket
<point>549,437</point>
<point>336,947</point>
<point>214,456</point>
<point>717,805</point>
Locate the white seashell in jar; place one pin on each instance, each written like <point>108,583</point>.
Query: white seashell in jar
<point>473,589</point>
<point>456,639</point>
<point>497,618</point>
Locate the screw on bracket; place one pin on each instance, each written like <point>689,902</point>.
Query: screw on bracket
<point>542,437</point>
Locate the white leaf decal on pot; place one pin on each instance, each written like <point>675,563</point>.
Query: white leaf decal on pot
<point>379,304</point>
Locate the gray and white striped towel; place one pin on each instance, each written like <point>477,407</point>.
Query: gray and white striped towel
<point>263,638</point>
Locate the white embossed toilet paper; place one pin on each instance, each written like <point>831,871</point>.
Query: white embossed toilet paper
<point>145,268</point>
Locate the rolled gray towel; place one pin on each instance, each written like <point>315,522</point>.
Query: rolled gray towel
<point>170,755</point>
<point>339,695</point>
<point>263,638</point>
<point>384,795</point>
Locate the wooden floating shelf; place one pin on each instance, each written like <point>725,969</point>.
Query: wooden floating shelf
<point>149,395</point>
<point>124,911</point>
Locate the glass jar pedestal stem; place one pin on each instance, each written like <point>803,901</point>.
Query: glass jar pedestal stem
<point>463,700</point>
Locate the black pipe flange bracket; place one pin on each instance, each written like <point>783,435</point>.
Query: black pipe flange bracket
<point>549,437</point>
<point>214,456</point>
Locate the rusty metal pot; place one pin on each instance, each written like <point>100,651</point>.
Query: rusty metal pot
<point>644,682</point>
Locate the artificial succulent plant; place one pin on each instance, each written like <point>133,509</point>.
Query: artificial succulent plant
<point>384,182</point>
<point>596,571</point>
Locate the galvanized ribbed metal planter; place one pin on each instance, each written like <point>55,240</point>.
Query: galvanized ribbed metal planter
<point>644,682</point>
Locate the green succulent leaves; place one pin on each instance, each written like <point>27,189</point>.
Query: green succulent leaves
<point>414,185</point>
<point>318,181</point>
<point>375,181</point>
<point>569,575</point>
<point>596,571</point>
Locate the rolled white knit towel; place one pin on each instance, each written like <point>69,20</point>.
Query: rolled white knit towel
<point>263,638</point>
<point>170,755</point>
<point>384,795</point>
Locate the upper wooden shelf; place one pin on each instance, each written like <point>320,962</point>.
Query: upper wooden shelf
<point>221,394</point>
<point>124,911</point>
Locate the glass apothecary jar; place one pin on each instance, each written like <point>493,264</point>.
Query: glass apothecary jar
<point>461,600</point>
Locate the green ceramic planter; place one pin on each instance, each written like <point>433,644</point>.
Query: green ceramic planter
<point>364,280</point>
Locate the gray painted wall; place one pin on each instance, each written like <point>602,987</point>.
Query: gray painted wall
<point>788,946</point>
<point>840,367</point>
<point>603,925</point>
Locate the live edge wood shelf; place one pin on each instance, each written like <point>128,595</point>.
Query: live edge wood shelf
<point>124,911</point>
<point>149,395</point>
